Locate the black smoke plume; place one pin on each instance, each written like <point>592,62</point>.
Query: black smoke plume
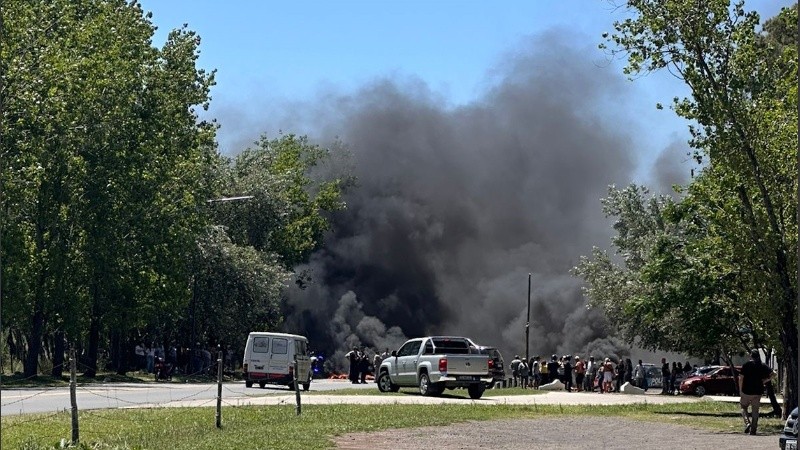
<point>456,205</point>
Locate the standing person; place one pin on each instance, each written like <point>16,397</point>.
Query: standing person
<point>751,385</point>
<point>672,377</point>
<point>567,373</point>
<point>524,372</point>
<point>620,375</point>
<point>580,373</point>
<point>640,376</point>
<point>608,375</point>
<point>150,353</point>
<point>545,372</point>
<point>363,366</point>
<point>687,369</point>
<point>353,358</point>
<point>664,376</point>
<point>376,364</point>
<point>628,370</point>
<point>536,368</point>
<point>515,370</point>
<point>591,374</point>
<point>140,359</point>
<point>552,368</point>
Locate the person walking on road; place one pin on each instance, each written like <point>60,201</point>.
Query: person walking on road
<point>751,385</point>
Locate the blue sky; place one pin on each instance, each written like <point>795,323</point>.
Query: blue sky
<point>270,53</point>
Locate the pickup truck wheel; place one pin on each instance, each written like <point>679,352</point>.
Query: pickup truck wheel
<point>385,383</point>
<point>476,390</point>
<point>425,385</point>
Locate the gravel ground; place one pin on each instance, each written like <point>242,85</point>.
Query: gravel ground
<point>555,433</point>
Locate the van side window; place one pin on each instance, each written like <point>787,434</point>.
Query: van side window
<point>261,344</point>
<point>280,346</point>
<point>300,347</point>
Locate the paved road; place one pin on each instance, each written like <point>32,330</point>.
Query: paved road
<point>121,395</point>
<point>99,396</point>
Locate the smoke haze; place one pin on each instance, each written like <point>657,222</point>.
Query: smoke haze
<point>455,206</point>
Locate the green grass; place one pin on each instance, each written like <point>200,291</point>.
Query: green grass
<point>277,427</point>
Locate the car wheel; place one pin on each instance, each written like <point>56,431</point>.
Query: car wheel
<point>425,387</point>
<point>476,390</point>
<point>248,384</point>
<point>700,391</point>
<point>385,383</point>
<point>262,384</point>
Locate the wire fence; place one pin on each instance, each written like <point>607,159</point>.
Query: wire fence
<point>17,399</point>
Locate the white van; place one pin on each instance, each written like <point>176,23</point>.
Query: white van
<point>269,359</point>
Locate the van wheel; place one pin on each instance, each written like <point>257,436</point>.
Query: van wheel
<point>385,383</point>
<point>248,383</point>
<point>262,384</point>
<point>476,390</point>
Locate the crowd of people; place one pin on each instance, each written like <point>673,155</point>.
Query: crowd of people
<point>578,374</point>
<point>198,360</point>
<point>362,365</point>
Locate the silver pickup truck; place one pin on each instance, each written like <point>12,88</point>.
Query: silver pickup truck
<point>435,363</point>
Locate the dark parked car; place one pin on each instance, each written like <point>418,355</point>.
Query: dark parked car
<point>788,439</point>
<point>498,367</point>
<point>720,380</point>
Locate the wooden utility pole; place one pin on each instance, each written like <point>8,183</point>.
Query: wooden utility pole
<point>219,387</point>
<point>73,399</point>
<point>528,324</point>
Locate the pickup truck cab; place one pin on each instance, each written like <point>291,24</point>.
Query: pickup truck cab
<point>436,363</point>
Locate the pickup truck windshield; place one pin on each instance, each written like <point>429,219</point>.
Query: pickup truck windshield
<point>451,346</point>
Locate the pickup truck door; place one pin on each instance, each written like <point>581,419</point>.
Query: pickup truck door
<point>406,361</point>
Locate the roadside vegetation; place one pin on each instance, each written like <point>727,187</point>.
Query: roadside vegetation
<point>277,427</point>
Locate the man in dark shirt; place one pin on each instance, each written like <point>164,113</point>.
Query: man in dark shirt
<point>751,386</point>
<point>664,376</point>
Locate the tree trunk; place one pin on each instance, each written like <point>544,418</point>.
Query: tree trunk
<point>34,342</point>
<point>789,341</point>
<point>58,355</point>
<point>94,341</point>
<point>118,353</point>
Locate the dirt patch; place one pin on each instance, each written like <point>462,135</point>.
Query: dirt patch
<point>595,433</point>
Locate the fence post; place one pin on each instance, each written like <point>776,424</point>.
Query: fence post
<point>73,395</point>
<point>219,387</point>
<point>296,388</point>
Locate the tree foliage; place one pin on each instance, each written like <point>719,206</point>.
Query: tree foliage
<point>105,166</point>
<point>732,253</point>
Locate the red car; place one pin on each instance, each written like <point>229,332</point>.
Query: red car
<point>717,381</point>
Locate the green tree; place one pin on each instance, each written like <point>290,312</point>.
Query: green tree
<point>289,188</point>
<point>290,200</point>
<point>743,109</point>
<point>105,169</point>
